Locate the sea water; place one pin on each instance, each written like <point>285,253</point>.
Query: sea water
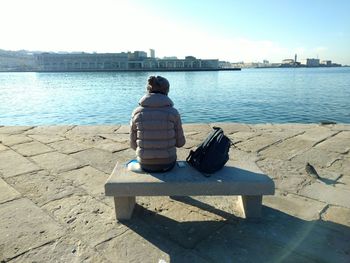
<point>280,95</point>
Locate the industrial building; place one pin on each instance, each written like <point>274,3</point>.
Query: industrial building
<point>131,61</point>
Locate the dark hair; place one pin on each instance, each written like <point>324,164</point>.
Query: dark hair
<point>158,84</point>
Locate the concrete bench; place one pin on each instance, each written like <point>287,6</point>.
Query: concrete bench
<point>250,186</point>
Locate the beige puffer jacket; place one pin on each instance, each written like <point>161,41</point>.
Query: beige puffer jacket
<point>156,130</point>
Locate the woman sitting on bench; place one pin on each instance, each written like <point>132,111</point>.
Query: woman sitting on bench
<point>156,128</point>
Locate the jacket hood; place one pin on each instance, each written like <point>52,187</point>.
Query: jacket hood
<point>155,100</point>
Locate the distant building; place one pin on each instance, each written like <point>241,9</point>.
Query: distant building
<point>327,63</point>
<point>137,60</point>
<point>152,53</point>
<point>312,62</point>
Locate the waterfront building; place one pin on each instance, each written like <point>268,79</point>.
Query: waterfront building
<point>312,62</point>
<point>152,53</point>
<point>327,63</point>
<point>137,60</point>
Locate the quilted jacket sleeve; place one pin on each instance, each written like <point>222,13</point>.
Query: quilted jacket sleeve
<point>180,137</point>
<point>133,134</point>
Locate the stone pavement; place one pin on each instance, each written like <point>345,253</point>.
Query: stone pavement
<point>53,208</point>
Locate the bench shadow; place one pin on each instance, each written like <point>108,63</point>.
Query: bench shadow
<point>276,237</point>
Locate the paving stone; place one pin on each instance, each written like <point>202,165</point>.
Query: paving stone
<point>242,136</point>
<point>297,145</point>
<point>338,215</point>
<point>51,130</point>
<point>180,224</point>
<point>94,129</point>
<point>294,205</point>
<point>190,143</point>
<point>344,181</point>
<point>9,139</point>
<point>278,238</point>
<point>87,178</point>
<point>123,129</point>
<point>317,157</point>
<point>3,147</point>
<point>117,137</point>
<point>57,162</point>
<point>151,247</point>
<point>89,220</point>
<point>68,146</point>
<point>44,138</point>
<point>12,163</point>
<point>340,143</point>
<point>327,193</point>
<point>194,127</point>
<point>230,128</point>
<point>42,187</point>
<point>7,193</point>
<point>259,143</point>
<point>31,148</point>
<point>99,159</point>
<point>64,249</point>
<point>23,226</point>
<point>111,146</point>
<point>14,129</point>
<point>217,207</point>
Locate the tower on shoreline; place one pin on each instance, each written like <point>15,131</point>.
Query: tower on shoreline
<point>152,53</point>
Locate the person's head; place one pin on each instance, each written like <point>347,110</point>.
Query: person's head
<point>158,84</point>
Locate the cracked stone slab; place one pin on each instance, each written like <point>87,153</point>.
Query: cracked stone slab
<point>57,162</point>
<point>327,193</point>
<point>10,140</point>
<point>51,130</point>
<point>64,249</point>
<point>68,146</point>
<point>7,193</point>
<point>339,143</point>
<point>157,248</point>
<point>3,148</point>
<point>87,178</point>
<point>111,146</point>
<point>24,226</point>
<point>123,129</point>
<point>289,148</point>
<point>14,129</point>
<point>277,238</point>
<point>45,138</point>
<point>191,226</point>
<point>317,157</point>
<point>42,187</point>
<point>243,136</point>
<point>86,218</point>
<point>103,160</point>
<point>31,148</point>
<point>258,143</point>
<point>338,215</point>
<point>205,128</point>
<point>12,163</point>
<point>117,137</point>
<point>93,129</point>
<point>294,205</point>
<point>230,128</point>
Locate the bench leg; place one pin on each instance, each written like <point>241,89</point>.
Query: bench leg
<point>124,205</point>
<point>250,205</point>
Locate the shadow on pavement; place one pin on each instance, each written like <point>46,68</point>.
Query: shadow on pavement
<point>276,237</point>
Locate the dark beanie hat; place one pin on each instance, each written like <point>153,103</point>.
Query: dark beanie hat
<point>158,84</point>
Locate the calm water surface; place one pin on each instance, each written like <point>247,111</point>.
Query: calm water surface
<point>302,95</point>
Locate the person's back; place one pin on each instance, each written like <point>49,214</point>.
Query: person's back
<point>156,128</point>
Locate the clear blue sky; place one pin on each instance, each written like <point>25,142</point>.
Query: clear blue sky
<point>229,30</point>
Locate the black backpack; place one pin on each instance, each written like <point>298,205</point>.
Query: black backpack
<point>212,154</point>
